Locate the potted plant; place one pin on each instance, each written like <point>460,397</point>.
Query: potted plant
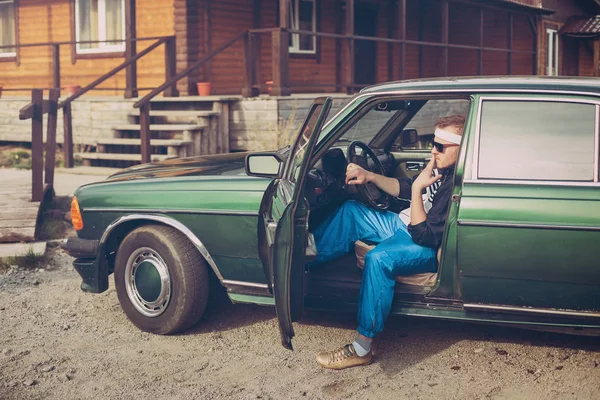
<point>204,88</point>
<point>71,89</point>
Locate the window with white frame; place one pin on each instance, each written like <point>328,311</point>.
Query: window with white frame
<point>100,20</point>
<point>303,17</point>
<point>7,28</point>
<point>552,50</point>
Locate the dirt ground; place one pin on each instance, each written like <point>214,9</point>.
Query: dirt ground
<point>57,342</point>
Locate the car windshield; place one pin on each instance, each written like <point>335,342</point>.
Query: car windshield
<point>369,125</point>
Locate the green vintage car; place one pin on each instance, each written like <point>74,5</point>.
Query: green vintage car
<point>520,242</point>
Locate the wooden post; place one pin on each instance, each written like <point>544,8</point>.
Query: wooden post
<point>51,137</point>
<point>596,62</point>
<point>37,145</point>
<point>256,42</point>
<point>391,22</point>
<point>533,23</point>
<point>284,14</point>
<point>280,40</point>
<point>480,52</point>
<point>207,39</point>
<point>420,21</point>
<point>56,65</point>
<point>250,73</point>
<point>510,44</point>
<point>68,136</point>
<point>145,134</point>
<point>402,36</point>
<point>445,34</point>
<point>130,49</point>
<point>350,73</point>
<point>170,66</point>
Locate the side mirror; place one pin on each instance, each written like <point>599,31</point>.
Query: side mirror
<point>267,165</point>
<point>410,137</point>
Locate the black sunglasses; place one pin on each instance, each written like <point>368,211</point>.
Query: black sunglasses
<point>441,146</point>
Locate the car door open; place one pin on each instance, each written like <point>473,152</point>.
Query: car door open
<point>284,224</point>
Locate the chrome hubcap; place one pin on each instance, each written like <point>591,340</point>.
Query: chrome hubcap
<point>148,282</point>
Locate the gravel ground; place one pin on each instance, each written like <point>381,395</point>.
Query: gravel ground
<point>57,342</point>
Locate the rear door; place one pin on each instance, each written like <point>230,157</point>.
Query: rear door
<point>529,218</point>
<point>285,220</point>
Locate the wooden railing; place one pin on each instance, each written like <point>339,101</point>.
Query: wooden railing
<point>170,91</point>
<point>42,175</point>
<point>144,103</point>
<point>346,77</point>
<point>131,88</point>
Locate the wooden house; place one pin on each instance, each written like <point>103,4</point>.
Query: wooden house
<point>414,39</point>
<point>123,49</point>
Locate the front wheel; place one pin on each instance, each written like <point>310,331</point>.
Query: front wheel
<point>162,280</point>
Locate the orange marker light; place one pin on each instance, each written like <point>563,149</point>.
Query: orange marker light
<point>76,215</point>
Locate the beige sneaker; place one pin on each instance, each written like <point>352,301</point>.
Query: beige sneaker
<point>344,357</point>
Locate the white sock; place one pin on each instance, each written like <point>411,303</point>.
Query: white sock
<point>360,351</point>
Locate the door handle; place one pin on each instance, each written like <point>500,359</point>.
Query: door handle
<point>415,165</point>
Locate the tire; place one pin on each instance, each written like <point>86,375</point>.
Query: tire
<point>162,280</point>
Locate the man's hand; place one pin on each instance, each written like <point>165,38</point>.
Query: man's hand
<point>357,175</point>
<point>425,178</point>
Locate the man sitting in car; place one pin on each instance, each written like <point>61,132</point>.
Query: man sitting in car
<point>401,249</point>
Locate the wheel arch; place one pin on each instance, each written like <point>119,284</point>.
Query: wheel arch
<point>122,226</point>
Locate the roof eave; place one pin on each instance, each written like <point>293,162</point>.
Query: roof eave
<point>514,4</point>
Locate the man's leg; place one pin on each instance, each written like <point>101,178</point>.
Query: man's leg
<point>398,255</point>
<point>353,221</point>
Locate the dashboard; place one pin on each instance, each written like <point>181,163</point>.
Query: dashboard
<point>326,181</point>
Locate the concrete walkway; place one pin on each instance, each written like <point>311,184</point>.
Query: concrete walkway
<point>18,214</point>
<point>66,180</point>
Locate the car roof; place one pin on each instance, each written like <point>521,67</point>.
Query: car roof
<point>483,84</point>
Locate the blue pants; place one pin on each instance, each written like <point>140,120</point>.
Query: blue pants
<point>395,254</point>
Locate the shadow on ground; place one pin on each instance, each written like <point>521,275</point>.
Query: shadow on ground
<point>405,342</point>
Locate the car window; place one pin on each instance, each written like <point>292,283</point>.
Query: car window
<point>302,141</point>
<point>537,140</point>
<point>423,122</point>
<point>367,126</point>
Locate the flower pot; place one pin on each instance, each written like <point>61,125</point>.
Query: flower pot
<point>71,89</point>
<point>203,88</point>
<point>269,86</point>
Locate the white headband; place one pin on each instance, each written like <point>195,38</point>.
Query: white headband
<point>449,136</point>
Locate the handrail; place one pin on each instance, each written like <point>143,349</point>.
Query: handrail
<point>113,72</point>
<point>399,41</point>
<point>19,46</point>
<point>146,99</point>
<point>35,111</point>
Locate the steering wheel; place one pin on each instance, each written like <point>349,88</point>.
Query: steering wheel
<point>369,193</point>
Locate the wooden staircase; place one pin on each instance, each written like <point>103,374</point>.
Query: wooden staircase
<point>180,127</point>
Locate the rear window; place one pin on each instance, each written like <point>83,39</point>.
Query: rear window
<point>537,140</point>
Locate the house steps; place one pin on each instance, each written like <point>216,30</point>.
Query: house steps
<point>175,113</point>
<point>136,142</point>
<point>161,127</point>
<point>179,127</point>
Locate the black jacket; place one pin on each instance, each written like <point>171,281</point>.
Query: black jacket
<point>429,232</point>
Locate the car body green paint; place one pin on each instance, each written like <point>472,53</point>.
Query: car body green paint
<point>528,249</point>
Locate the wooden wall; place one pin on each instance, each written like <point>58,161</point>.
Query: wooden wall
<point>565,9</point>
<point>42,21</point>
<point>586,58</point>
<point>52,20</point>
<point>228,19</point>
